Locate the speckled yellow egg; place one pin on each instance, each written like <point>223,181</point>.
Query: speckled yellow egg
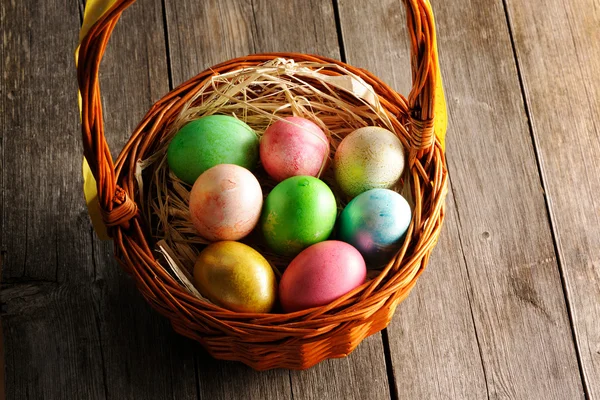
<point>368,158</point>
<point>225,203</point>
<point>235,276</point>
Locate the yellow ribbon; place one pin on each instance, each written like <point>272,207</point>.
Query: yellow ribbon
<point>91,199</point>
<point>440,123</point>
<point>94,10</point>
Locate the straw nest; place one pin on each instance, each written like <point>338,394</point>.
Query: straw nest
<point>257,95</point>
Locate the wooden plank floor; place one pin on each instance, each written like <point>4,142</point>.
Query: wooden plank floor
<point>510,305</point>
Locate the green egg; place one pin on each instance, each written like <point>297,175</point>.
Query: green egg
<point>208,141</point>
<point>299,212</point>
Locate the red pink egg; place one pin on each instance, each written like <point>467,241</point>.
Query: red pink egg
<point>320,274</point>
<point>293,146</point>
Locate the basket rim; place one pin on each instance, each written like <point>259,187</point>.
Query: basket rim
<point>344,303</point>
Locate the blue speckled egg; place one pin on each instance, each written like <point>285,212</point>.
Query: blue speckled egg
<point>375,222</point>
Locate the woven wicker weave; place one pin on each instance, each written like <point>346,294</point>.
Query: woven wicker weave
<point>266,341</point>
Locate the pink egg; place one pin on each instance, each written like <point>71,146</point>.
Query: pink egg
<point>293,146</point>
<point>320,274</point>
<point>225,202</point>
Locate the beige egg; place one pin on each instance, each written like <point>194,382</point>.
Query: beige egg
<point>368,158</point>
<point>225,202</point>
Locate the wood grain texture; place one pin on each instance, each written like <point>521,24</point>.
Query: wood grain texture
<point>90,334</point>
<point>41,140</point>
<point>558,51</point>
<point>134,73</point>
<point>49,329</point>
<point>517,299</point>
<point>143,357</point>
<point>511,278</point>
<point>207,33</point>
<point>295,26</point>
<point>221,30</point>
<point>2,366</point>
<point>225,380</point>
<point>433,344</point>
<point>240,28</point>
<point>52,347</point>
<point>432,340</point>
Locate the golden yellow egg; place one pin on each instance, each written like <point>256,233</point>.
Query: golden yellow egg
<point>235,276</point>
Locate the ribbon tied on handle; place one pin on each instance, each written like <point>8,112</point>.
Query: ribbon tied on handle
<point>122,210</point>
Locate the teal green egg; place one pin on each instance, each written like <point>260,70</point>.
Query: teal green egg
<point>375,222</point>
<point>208,141</point>
<point>299,212</point>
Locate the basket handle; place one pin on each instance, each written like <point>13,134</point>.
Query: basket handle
<point>116,206</point>
<point>426,99</point>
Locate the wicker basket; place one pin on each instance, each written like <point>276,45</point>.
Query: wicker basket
<point>264,341</point>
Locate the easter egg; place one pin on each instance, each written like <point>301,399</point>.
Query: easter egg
<point>368,158</point>
<point>235,276</point>
<point>208,141</point>
<point>375,222</point>
<point>225,203</point>
<point>320,274</point>
<point>298,212</point>
<point>293,146</point>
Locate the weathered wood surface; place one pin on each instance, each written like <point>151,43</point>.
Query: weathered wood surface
<point>86,332</point>
<point>488,319</point>
<point>558,52</point>
<point>50,333</point>
<point>511,284</point>
<point>514,280</point>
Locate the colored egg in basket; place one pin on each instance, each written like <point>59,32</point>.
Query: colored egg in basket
<point>368,158</point>
<point>225,203</point>
<point>375,222</point>
<point>208,141</point>
<point>293,146</point>
<point>235,276</point>
<point>299,212</point>
<point>320,274</point>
